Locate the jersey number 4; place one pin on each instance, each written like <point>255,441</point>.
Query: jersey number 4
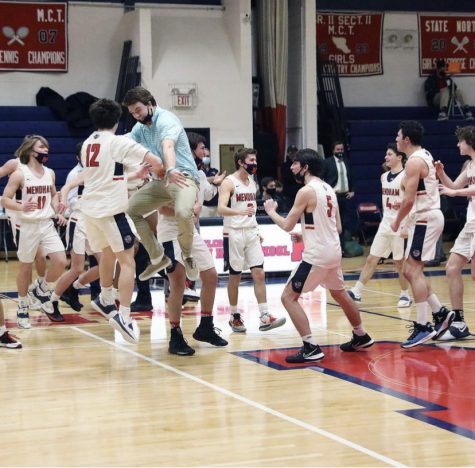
<point>92,152</point>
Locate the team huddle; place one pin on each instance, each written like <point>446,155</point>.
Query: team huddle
<point>123,182</point>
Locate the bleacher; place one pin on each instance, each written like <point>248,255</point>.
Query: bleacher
<point>371,129</point>
<point>16,122</point>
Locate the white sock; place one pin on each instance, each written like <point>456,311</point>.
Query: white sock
<point>309,339</point>
<point>358,287</point>
<point>78,285</point>
<point>3,330</point>
<point>434,303</point>
<point>421,312</point>
<point>404,292</point>
<point>54,297</point>
<point>125,312</point>
<point>263,310</point>
<point>359,330</point>
<point>23,301</point>
<point>234,309</point>
<point>115,293</point>
<point>106,295</point>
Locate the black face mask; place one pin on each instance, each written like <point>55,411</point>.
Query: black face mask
<point>41,157</point>
<point>271,191</point>
<point>148,118</point>
<point>299,177</point>
<point>339,155</point>
<point>251,169</point>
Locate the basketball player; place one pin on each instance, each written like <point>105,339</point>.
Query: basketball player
<point>242,242</point>
<point>426,223</point>
<point>104,203</point>
<point>40,261</point>
<point>7,340</point>
<point>386,241</point>
<point>35,205</point>
<point>206,332</point>
<point>162,133</point>
<point>463,249</point>
<point>316,207</point>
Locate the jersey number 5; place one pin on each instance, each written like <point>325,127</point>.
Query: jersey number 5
<point>92,151</point>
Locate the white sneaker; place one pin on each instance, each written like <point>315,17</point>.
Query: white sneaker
<point>33,303</point>
<point>129,330</point>
<point>404,301</point>
<point>353,295</point>
<point>44,298</point>
<point>456,331</point>
<point>268,322</point>
<point>191,295</point>
<point>443,116</point>
<point>23,318</point>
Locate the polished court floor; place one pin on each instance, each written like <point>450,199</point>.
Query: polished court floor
<point>75,395</point>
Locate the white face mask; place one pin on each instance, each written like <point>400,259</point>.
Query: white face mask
<point>206,160</point>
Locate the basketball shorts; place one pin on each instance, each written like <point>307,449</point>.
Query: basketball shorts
<point>306,277</point>
<point>464,244</point>
<point>117,232</point>
<point>76,239</point>
<point>424,232</point>
<point>199,251</point>
<point>242,249</point>
<point>33,235</point>
<point>386,242</point>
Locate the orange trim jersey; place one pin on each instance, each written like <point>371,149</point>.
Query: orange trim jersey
<point>103,157</point>
<point>243,196</point>
<point>36,189</point>
<point>319,230</point>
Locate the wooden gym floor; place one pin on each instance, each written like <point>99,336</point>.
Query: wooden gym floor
<point>75,396</point>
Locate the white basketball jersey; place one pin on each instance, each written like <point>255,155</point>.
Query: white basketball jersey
<point>75,194</point>
<point>319,231</point>
<point>471,200</point>
<point>392,195</point>
<point>37,189</point>
<point>428,197</point>
<point>243,196</point>
<point>104,156</point>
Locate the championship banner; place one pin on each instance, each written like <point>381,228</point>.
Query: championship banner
<point>352,40</point>
<point>34,36</point>
<point>447,37</point>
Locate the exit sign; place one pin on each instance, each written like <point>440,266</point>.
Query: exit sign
<point>183,100</point>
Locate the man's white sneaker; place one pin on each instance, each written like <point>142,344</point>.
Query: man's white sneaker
<point>153,268</point>
<point>404,301</point>
<point>23,318</point>
<point>353,295</point>
<point>129,330</point>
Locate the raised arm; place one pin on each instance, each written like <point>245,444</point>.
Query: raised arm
<point>289,222</point>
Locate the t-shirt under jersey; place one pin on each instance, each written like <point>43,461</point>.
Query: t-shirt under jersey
<point>104,156</point>
<point>36,188</point>
<point>319,228</point>
<point>243,196</point>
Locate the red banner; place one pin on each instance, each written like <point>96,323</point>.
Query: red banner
<point>447,37</point>
<point>33,36</point>
<point>352,40</point>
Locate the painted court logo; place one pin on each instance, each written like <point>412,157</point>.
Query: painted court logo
<point>439,379</point>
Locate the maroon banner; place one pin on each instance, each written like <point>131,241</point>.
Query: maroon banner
<point>33,36</point>
<point>352,40</point>
<point>447,37</point>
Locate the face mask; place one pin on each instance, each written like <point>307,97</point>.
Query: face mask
<point>299,177</point>
<point>271,191</point>
<point>41,157</point>
<point>339,154</point>
<point>206,160</point>
<point>251,169</point>
<point>148,118</point>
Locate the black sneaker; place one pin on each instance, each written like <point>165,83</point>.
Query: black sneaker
<point>357,342</point>
<point>7,340</point>
<point>141,306</point>
<point>107,311</point>
<point>442,321</point>
<point>71,297</point>
<point>307,353</point>
<point>56,315</point>
<point>209,335</point>
<point>178,344</point>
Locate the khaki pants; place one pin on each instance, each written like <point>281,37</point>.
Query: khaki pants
<point>154,195</point>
